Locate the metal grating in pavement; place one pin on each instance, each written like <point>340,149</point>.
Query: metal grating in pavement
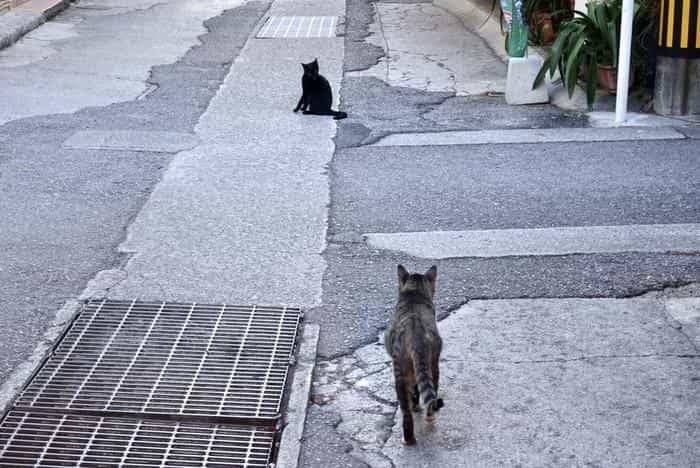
<point>214,362</point>
<point>55,440</point>
<point>298,26</point>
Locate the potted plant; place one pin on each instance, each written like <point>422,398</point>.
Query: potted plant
<point>545,17</point>
<point>542,26</point>
<point>587,46</point>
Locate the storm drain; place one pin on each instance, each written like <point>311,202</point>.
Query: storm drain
<point>298,26</point>
<point>35,439</point>
<point>151,384</point>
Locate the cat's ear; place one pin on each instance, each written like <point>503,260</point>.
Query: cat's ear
<point>431,274</point>
<point>316,61</point>
<point>403,275</point>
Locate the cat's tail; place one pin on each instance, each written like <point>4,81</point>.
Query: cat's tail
<point>426,388</point>
<point>337,115</point>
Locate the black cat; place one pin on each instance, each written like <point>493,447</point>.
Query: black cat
<point>316,97</point>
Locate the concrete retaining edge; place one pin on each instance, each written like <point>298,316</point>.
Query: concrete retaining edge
<point>295,418</point>
<point>16,23</point>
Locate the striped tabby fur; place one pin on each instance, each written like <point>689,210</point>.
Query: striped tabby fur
<point>413,342</point>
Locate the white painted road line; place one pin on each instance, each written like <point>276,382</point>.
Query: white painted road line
<point>544,135</point>
<point>682,238</point>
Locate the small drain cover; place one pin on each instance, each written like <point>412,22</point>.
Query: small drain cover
<point>298,26</point>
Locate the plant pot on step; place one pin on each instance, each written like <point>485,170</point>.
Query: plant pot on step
<point>607,78</point>
<point>544,27</point>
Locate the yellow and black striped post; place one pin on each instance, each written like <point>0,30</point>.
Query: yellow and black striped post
<point>677,82</point>
<point>679,28</point>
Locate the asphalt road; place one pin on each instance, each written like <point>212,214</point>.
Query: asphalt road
<point>454,188</point>
<point>407,189</point>
<point>65,211</point>
<point>433,188</point>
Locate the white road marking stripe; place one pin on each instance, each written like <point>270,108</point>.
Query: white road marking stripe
<point>545,135</point>
<point>683,238</point>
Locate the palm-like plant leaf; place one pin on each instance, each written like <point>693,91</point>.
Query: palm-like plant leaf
<point>590,38</point>
<point>573,61</point>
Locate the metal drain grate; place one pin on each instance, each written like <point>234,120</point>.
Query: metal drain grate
<point>298,26</point>
<point>54,440</point>
<point>219,363</point>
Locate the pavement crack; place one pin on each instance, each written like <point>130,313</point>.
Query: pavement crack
<point>630,294</point>
<point>387,51</point>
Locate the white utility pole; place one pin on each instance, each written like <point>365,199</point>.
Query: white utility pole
<point>623,61</point>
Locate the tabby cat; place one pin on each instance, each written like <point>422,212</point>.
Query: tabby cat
<point>413,342</point>
<point>316,96</point>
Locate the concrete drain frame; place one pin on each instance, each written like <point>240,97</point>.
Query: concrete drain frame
<point>133,383</point>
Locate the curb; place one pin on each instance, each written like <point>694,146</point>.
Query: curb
<point>290,444</point>
<point>478,19</point>
<point>475,17</point>
<point>24,372</point>
<point>17,22</point>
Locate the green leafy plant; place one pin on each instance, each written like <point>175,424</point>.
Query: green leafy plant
<point>591,39</point>
<point>583,43</point>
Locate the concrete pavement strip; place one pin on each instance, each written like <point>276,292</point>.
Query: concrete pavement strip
<point>535,382</point>
<point>520,136</point>
<point>238,216</point>
<point>28,16</point>
<point>680,238</point>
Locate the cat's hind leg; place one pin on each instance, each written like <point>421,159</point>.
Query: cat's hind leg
<point>403,394</point>
<point>435,405</point>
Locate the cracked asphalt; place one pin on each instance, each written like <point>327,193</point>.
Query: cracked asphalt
<point>352,413</point>
<point>403,189</point>
<point>520,391</point>
<point>563,360</point>
<point>65,210</point>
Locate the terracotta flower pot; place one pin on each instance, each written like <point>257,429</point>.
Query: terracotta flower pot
<point>607,78</point>
<point>544,26</point>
